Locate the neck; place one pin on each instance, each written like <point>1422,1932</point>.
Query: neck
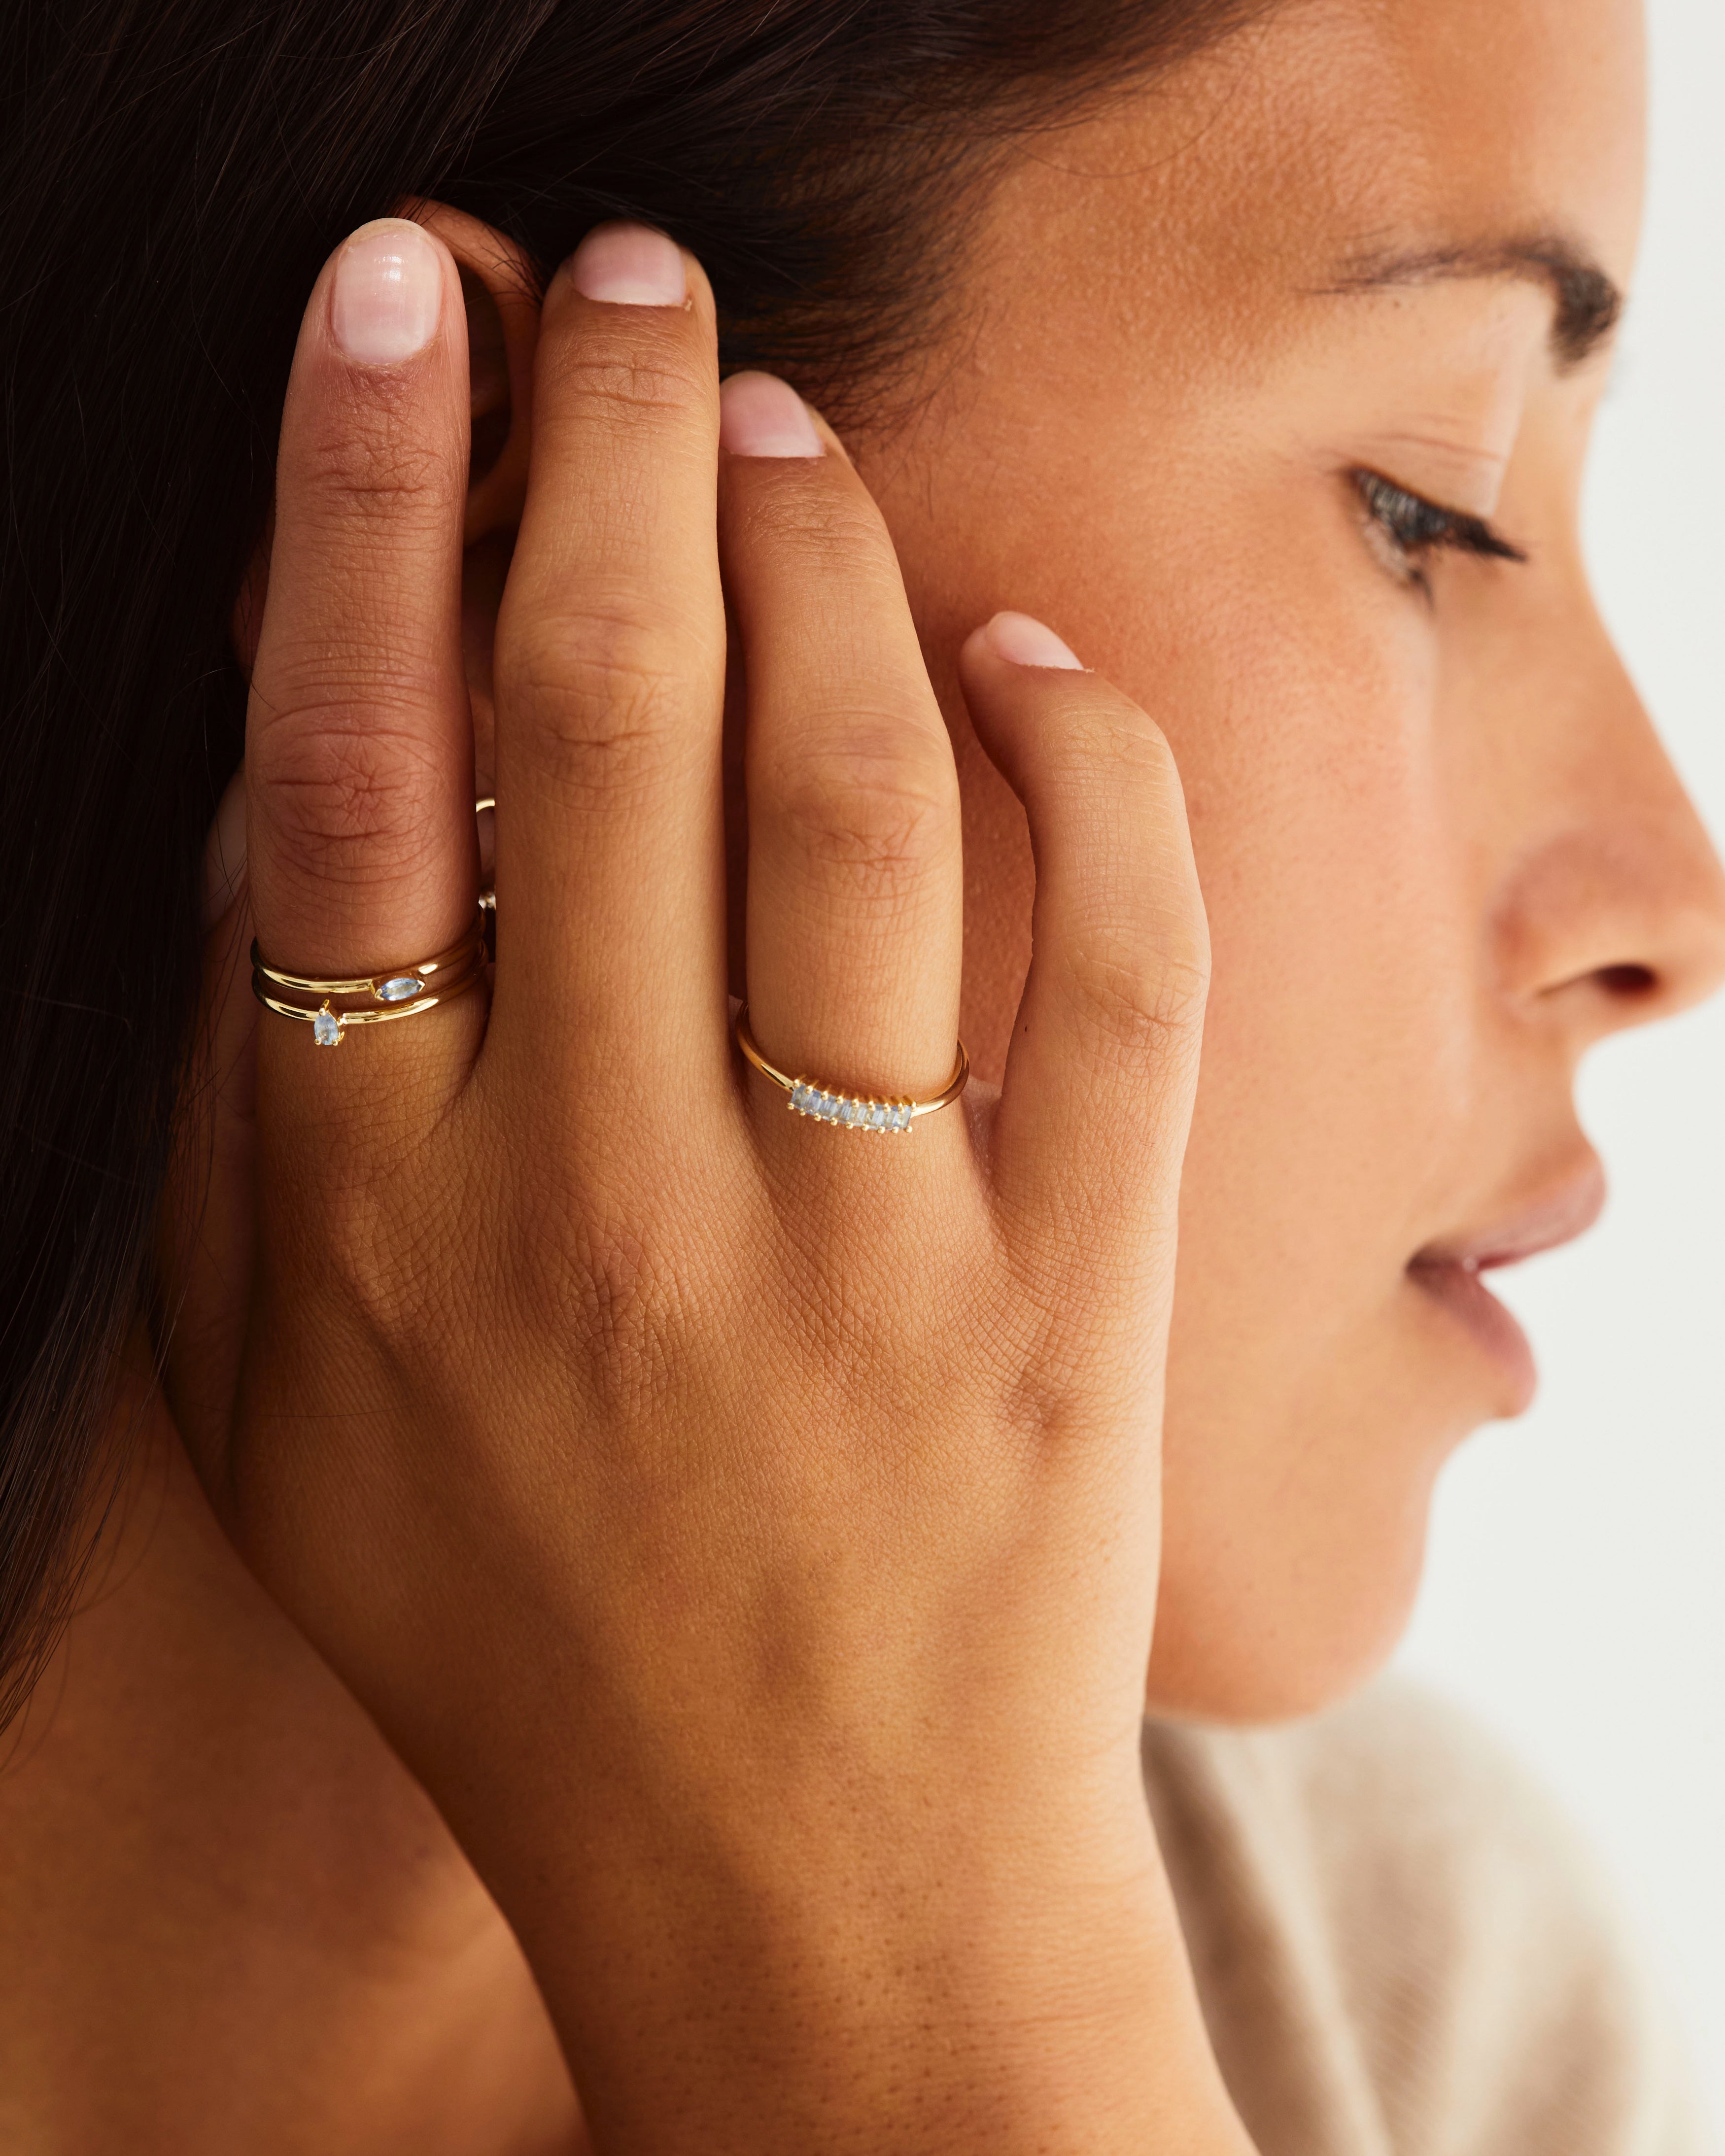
<point>228,1918</point>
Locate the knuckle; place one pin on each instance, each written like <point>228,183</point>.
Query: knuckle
<point>608,1303</point>
<point>376,467</point>
<point>872,817</point>
<point>356,1257</point>
<point>1140,1005</point>
<point>351,794</point>
<point>627,390</point>
<point>620,1304</point>
<point>831,531</point>
<point>1107,734</point>
<point>601,701</point>
<point>327,1206</point>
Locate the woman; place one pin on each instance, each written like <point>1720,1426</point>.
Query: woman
<point>734,1541</point>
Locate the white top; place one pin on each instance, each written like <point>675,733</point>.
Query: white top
<point>1402,1948</point>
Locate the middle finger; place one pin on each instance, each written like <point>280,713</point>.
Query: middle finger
<point>610,682</point>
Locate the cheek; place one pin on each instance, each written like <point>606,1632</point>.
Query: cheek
<point>1335,878</point>
<point>1309,1408</point>
<point>1300,694</point>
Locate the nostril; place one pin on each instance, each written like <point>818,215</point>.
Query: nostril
<point>1633,983</point>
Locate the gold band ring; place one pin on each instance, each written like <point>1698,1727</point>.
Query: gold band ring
<point>323,1002</point>
<point>398,992</point>
<point>851,1111</point>
<point>488,897</point>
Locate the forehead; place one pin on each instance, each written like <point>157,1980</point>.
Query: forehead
<point>1333,134</point>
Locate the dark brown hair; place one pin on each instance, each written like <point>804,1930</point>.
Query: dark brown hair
<point>175,172</point>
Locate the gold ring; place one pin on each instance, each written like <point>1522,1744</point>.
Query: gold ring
<point>850,1112</point>
<point>330,1004</point>
<point>488,897</point>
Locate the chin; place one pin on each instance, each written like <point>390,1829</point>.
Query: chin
<point>1267,1624</point>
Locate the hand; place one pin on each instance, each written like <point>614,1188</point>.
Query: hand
<point>747,1529</point>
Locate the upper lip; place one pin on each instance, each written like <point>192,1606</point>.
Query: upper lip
<point>1557,1216</point>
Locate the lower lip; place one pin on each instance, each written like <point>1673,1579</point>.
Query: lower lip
<point>1471,1303</point>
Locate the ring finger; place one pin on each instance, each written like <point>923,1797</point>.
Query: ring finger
<point>855,899</point>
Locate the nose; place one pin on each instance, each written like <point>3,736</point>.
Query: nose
<point>1614,912</point>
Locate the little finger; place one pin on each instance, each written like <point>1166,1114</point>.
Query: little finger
<point>1098,1095</point>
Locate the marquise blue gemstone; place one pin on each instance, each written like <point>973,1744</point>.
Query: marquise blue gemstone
<point>398,990</point>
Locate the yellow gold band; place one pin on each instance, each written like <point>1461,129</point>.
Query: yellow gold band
<point>488,897</point>
<point>852,1111</point>
<point>323,1001</point>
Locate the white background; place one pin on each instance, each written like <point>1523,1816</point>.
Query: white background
<point>1576,1590</point>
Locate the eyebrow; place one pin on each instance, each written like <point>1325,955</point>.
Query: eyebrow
<point>1589,305</point>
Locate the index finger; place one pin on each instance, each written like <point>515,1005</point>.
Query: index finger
<point>359,756</point>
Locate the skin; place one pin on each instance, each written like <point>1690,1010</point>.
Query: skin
<point>1381,1074</point>
<point>1439,853</point>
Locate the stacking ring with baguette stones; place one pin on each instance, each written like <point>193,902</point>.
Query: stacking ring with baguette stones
<point>850,1112</point>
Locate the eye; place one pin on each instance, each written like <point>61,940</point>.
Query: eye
<point>1406,530</point>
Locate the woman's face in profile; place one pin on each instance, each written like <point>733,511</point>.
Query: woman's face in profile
<point>1263,380</point>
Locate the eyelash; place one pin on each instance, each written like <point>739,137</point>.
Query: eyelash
<point>1416,528</point>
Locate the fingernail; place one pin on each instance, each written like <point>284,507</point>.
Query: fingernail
<point>760,416</point>
<point>224,853</point>
<point>1028,642</point>
<point>629,265</point>
<point>388,293</point>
